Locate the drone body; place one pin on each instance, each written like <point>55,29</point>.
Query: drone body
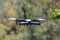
<point>27,22</point>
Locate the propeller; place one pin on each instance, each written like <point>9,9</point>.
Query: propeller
<point>27,19</point>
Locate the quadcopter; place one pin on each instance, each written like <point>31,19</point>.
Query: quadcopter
<point>27,21</point>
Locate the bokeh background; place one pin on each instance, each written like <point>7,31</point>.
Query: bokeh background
<point>48,30</point>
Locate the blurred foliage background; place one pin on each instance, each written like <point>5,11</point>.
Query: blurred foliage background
<point>48,30</point>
